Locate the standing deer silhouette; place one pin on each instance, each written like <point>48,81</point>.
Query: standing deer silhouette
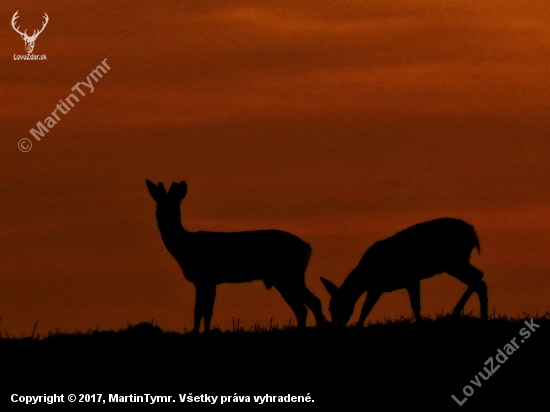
<point>208,259</point>
<point>402,260</point>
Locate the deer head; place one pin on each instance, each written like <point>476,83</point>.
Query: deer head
<point>29,40</point>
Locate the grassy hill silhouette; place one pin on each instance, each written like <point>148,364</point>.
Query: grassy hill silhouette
<point>382,367</point>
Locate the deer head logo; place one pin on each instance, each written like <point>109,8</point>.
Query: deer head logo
<point>29,40</point>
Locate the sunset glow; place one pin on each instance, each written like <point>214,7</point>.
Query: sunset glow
<point>342,122</point>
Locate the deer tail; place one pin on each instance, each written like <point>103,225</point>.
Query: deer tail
<point>476,241</point>
<point>307,257</point>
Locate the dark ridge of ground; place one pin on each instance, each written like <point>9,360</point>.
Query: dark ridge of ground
<point>381,367</point>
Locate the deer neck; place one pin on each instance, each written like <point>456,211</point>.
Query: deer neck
<point>173,234</point>
<point>353,287</point>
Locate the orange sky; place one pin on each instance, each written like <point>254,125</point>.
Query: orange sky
<point>342,122</point>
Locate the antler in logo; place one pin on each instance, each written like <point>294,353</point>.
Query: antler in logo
<point>29,40</point>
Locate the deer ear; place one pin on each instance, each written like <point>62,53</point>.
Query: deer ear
<point>332,289</point>
<point>183,188</point>
<point>178,191</point>
<point>173,188</point>
<point>155,191</point>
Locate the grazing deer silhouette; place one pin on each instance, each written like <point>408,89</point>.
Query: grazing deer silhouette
<point>209,258</point>
<point>401,261</point>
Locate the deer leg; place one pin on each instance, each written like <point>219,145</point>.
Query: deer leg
<point>314,304</point>
<point>294,301</point>
<point>471,276</point>
<point>209,297</point>
<point>483,299</point>
<point>414,295</point>
<point>204,306</point>
<point>197,313</point>
<point>460,305</point>
<point>372,298</point>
